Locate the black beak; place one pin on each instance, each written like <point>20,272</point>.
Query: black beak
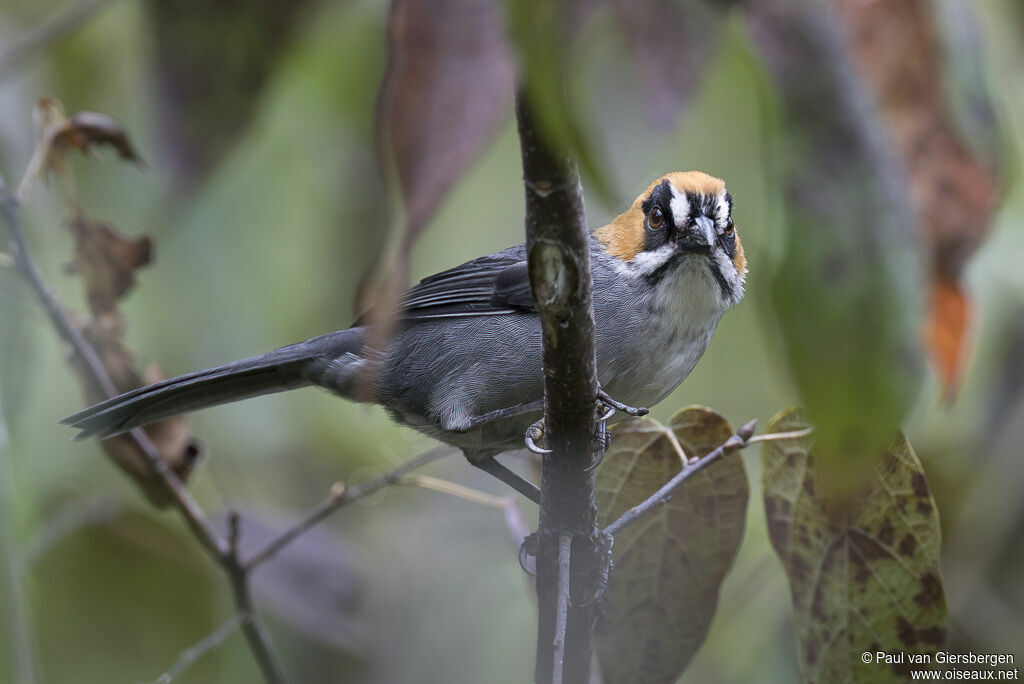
<point>699,236</point>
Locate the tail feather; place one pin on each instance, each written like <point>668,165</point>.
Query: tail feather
<point>280,370</point>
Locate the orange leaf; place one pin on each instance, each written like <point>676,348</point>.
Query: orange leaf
<point>946,331</point>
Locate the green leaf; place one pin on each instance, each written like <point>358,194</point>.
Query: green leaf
<point>669,565</point>
<point>864,575</point>
<point>847,293</point>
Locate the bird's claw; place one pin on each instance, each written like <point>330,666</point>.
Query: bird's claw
<point>535,438</point>
<point>527,550</point>
<point>607,400</point>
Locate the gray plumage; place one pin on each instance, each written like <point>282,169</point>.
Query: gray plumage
<point>468,342</point>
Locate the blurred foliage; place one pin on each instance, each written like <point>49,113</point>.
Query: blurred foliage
<point>268,248</point>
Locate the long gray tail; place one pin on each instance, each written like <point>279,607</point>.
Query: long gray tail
<point>282,369</point>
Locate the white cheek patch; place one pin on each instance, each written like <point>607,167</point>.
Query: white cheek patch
<point>648,262</point>
<point>680,206</point>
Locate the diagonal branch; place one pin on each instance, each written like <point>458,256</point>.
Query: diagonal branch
<point>342,496</point>
<point>739,440</point>
<point>199,649</point>
<point>224,553</point>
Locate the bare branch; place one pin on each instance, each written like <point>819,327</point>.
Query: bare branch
<point>780,436</point>
<point>252,626</point>
<point>341,496</point>
<point>463,492</point>
<point>199,649</point>
<point>662,496</point>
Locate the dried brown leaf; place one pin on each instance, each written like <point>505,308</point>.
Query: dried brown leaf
<point>864,576</point>
<point>58,134</point>
<point>663,591</point>
<point>106,261</point>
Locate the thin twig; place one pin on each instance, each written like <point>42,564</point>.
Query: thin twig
<point>780,436</point>
<point>340,496</point>
<point>252,626</point>
<point>660,497</point>
<point>60,24</point>
<point>454,489</point>
<point>199,649</point>
<point>562,615</point>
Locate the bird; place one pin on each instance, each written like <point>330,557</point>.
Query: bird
<point>463,362</point>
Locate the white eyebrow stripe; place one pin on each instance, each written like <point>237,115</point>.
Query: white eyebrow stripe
<point>680,207</point>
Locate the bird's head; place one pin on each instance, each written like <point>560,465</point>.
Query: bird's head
<point>681,224</point>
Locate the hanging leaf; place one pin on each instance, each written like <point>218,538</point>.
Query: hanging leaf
<point>864,572</point>
<point>106,261</point>
<point>212,61</point>
<point>847,293</point>
<point>953,192</point>
<point>447,89</point>
<point>669,565</point>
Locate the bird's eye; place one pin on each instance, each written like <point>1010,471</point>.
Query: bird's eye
<point>730,227</point>
<point>655,219</point>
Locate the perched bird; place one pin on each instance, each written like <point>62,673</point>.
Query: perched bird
<point>464,362</point>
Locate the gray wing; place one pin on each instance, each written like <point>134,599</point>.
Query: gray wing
<point>491,285</point>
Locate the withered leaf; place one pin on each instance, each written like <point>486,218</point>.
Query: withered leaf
<point>896,48</point>
<point>448,87</point>
<point>85,130</point>
<point>82,131</point>
<point>864,575</point>
<point>668,567</point>
<point>106,261</point>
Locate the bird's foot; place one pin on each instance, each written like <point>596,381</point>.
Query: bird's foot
<point>536,442</point>
<point>534,438</point>
<point>606,400</point>
<point>528,554</point>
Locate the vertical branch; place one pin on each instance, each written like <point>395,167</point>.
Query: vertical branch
<point>557,246</point>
